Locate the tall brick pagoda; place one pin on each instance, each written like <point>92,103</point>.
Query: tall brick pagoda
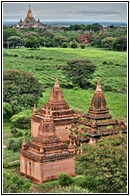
<point>97,122</point>
<point>29,21</point>
<point>46,156</point>
<point>62,114</point>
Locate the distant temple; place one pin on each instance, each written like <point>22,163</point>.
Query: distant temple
<point>85,38</point>
<point>29,21</point>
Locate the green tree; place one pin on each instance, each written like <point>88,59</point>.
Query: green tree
<point>32,42</point>
<point>98,40</point>
<point>79,71</point>
<point>14,41</point>
<point>120,43</point>
<point>105,165</point>
<point>8,32</point>
<point>20,89</point>
<point>58,40</point>
<point>96,27</point>
<point>108,42</point>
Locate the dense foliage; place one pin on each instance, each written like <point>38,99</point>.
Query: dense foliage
<point>79,71</point>
<point>7,110</point>
<point>13,184</point>
<point>64,180</point>
<point>105,165</point>
<point>20,89</point>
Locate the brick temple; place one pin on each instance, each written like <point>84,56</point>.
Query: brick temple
<point>29,21</point>
<point>46,156</point>
<point>62,114</point>
<point>54,125</point>
<point>97,122</point>
<point>85,38</point>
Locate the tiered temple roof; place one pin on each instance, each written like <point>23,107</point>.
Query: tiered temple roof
<point>62,114</point>
<point>47,146</point>
<point>97,121</point>
<point>61,111</point>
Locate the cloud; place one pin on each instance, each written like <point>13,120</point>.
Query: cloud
<point>93,12</point>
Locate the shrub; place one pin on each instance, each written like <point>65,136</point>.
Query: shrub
<point>82,46</point>
<point>64,180</point>
<point>64,45</point>
<point>5,165</point>
<point>74,45</point>
<point>14,184</point>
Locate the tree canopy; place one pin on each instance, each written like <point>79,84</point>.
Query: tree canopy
<point>14,41</point>
<point>105,165</point>
<point>32,42</point>
<point>20,89</point>
<point>79,71</point>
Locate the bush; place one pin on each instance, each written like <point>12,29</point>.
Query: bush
<point>5,165</point>
<point>82,46</point>
<point>64,180</point>
<point>14,184</point>
<point>74,45</point>
<point>64,45</point>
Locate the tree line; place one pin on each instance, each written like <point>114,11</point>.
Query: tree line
<point>114,38</point>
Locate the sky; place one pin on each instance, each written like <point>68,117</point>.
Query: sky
<point>67,11</point>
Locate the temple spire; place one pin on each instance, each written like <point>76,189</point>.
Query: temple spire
<point>56,81</point>
<point>29,14</point>
<point>34,109</point>
<point>98,88</point>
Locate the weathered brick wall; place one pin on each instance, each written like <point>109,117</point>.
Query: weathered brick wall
<point>51,170</point>
<point>34,128</point>
<point>62,131</point>
<point>46,170</point>
<point>30,168</point>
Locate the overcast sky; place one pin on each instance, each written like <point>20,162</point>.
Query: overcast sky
<point>61,11</point>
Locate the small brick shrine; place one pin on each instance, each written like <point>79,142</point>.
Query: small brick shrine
<point>46,156</point>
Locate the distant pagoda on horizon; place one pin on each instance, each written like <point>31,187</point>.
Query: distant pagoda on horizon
<point>29,21</point>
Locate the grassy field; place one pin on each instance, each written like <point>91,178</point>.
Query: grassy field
<point>44,63</point>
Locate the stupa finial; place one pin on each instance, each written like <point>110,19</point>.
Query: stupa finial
<point>56,81</point>
<point>98,88</point>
